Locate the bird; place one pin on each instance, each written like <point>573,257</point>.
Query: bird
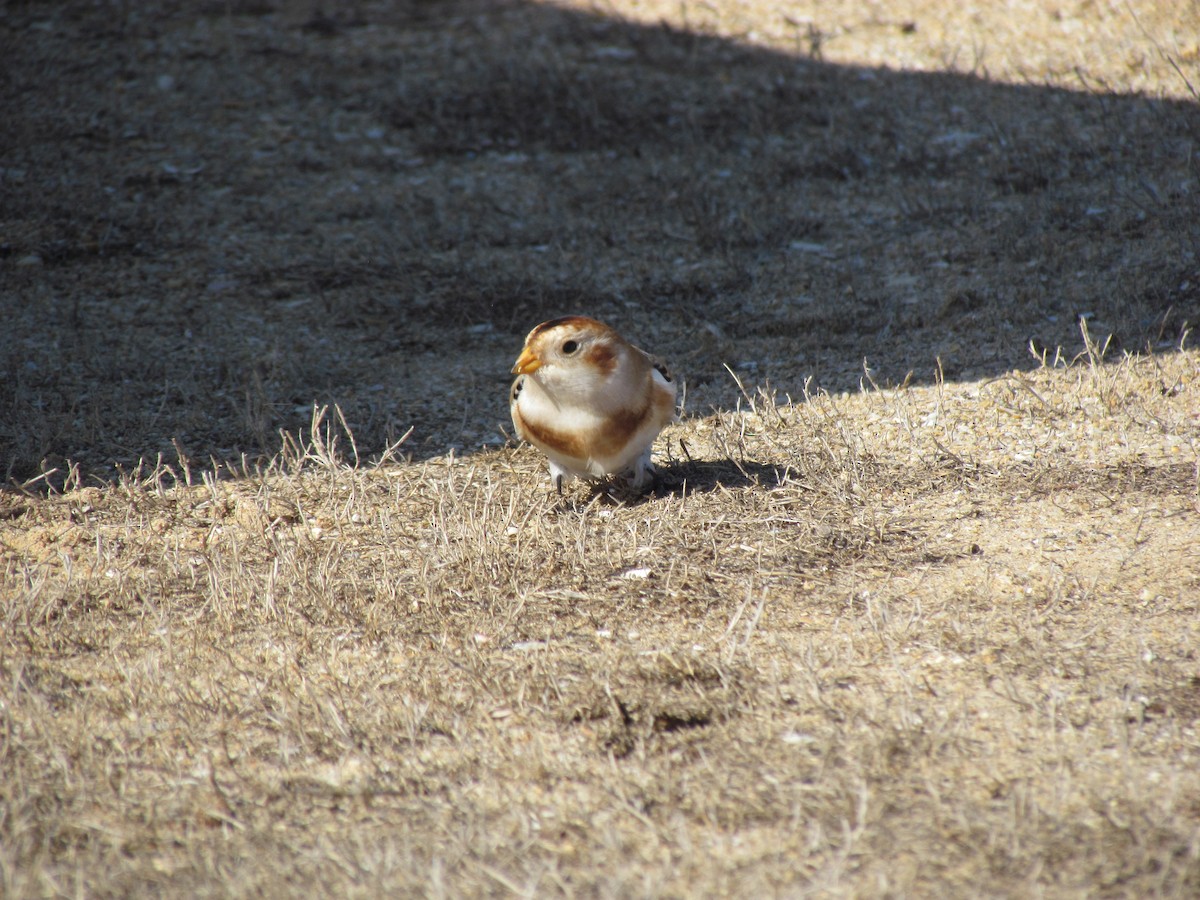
<point>592,402</point>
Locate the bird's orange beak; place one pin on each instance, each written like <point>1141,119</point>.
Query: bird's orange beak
<point>527,362</point>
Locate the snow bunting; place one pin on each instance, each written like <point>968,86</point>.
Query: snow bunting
<point>590,400</point>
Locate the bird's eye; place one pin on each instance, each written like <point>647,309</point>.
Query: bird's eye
<point>569,347</point>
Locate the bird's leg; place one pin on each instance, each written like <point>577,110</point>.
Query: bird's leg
<point>560,475</point>
<point>643,472</point>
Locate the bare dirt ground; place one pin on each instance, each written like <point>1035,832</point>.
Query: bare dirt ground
<point>915,608</point>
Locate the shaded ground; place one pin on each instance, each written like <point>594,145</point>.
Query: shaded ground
<point>931,628</point>
<point>212,219</point>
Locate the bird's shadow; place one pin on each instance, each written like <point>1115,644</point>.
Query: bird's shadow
<point>681,478</point>
<point>702,476</point>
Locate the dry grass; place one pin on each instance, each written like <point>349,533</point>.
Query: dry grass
<point>900,641</point>
<point>911,612</point>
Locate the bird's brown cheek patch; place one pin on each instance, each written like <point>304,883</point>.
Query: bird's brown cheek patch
<point>603,358</point>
